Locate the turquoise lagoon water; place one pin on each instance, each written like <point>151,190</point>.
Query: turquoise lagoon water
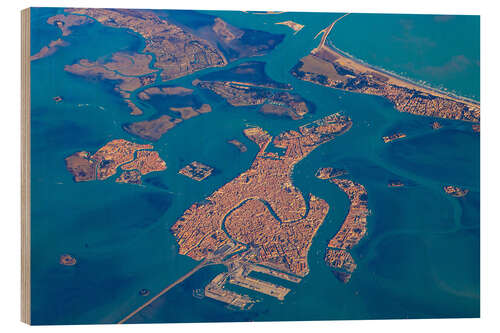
<point>420,258</point>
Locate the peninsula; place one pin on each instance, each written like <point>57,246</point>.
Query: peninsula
<point>330,67</point>
<point>117,153</point>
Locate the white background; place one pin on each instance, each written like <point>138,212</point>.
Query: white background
<point>490,232</point>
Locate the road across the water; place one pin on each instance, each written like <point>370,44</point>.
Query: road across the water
<point>176,282</point>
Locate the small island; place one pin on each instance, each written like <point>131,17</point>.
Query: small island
<point>196,170</point>
<point>117,153</point>
<point>165,91</point>
<point>67,260</point>
<point>151,130</point>
<point>327,173</point>
<point>395,183</point>
<point>393,137</point>
<point>476,128</point>
<point>455,191</point>
<point>436,125</point>
<point>292,25</point>
<point>241,147</point>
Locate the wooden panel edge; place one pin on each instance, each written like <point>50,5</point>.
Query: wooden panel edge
<point>25,167</point>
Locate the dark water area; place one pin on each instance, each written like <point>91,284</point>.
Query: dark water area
<point>251,72</point>
<point>424,156</point>
<point>419,259</point>
<point>251,42</point>
<point>161,104</point>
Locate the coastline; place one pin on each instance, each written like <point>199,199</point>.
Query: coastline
<point>407,82</point>
<point>420,86</point>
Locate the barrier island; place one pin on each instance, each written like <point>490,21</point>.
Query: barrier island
<point>330,67</point>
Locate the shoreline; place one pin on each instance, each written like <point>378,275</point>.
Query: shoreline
<point>423,87</point>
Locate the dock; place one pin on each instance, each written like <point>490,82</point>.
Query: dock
<point>215,290</point>
<point>260,286</point>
